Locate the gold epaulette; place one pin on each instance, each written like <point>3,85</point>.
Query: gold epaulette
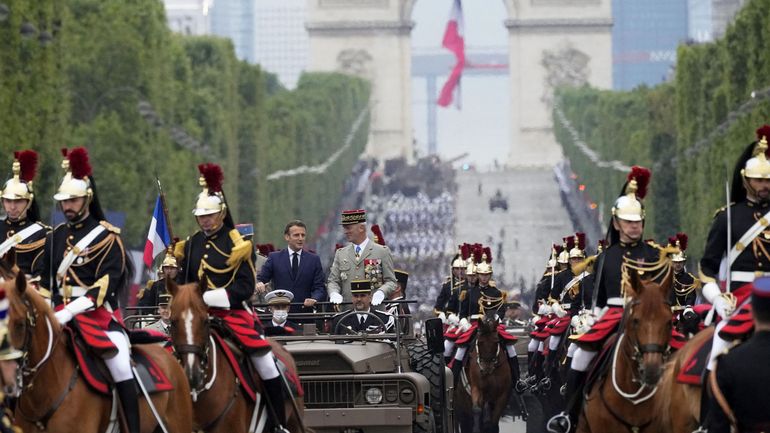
<point>579,268</point>
<point>449,278</point>
<point>179,249</point>
<point>492,283</point>
<point>241,248</point>
<point>147,286</point>
<point>110,227</point>
<point>721,209</point>
<point>462,295</point>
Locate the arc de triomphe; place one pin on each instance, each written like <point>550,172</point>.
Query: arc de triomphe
<point>551,42</point>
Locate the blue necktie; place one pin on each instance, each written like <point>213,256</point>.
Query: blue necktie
<point>358,250</point>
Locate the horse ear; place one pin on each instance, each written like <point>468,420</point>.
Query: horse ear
<point>21,282</point>
<point>10,258</point>
<point>171,286</point>
<point>636,286</point>
<point>203,284</point>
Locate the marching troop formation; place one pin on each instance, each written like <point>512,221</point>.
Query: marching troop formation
<point>582,305</point>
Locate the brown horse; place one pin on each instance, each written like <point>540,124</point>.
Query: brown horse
<point>219,403</point>
<point>54,396</point>
<point>489,379</point>
<point>623,399</point>
<point>678,404</point>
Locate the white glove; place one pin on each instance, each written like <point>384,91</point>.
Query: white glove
<point>335,298</point>
<point>79,305</point>
<point>442,316</point>
<point>713,294</point>
<point>558,310</point>
<point>378,297</point>
<point>464,324</point>
<point>216,298</point>
<point>544,310</point>
<point>453,319</point>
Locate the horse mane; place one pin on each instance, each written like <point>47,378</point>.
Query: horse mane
<point>187,296</point>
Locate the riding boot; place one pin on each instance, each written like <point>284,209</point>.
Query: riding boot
<point>566,421</point>
<point>130,403</point>
<point>274,391</point>
<point>704,402</point>
<point>539,361</point>
<point>549,363</point>
<point>457,367</point>
<point>518,386</point>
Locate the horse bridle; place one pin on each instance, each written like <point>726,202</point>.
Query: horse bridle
<point>201,351</point>
<point>639,350</point>
<point>487,365</point>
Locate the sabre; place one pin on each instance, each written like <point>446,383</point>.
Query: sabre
<point>728,278</point>
<point>149,400</point>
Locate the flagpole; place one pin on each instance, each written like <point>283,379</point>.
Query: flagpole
<point>165,209</point>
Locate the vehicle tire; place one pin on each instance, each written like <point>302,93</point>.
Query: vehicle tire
<point>417,428</point>
<point>430,366</point>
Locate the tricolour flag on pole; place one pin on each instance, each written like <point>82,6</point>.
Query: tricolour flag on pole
<point>158,237</point>
<point>454,41</point>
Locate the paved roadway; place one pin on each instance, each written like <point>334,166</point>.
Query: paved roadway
<point>534,220</point>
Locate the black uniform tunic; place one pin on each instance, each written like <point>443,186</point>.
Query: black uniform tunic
<point>742,386</point>
<point>447,301</point>
<point>570,298</point>
<point>30,250</point>
<point>470,305</point>
<point>151,295</point>
<point>684,292</point>
<point>613,256</point>
<point>743,215</point>
<point>99,267</point>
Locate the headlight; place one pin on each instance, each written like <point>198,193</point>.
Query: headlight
<point>407,395</point>
<point>374,396</point>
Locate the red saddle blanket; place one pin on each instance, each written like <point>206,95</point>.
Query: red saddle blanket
<point>505,337</point>
<point>97,377</point>
<point>692,368</point>
<point>245,375</point>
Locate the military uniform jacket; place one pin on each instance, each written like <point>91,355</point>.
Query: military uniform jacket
<point>587,290</point>
<point>684,292</point>
<point>543,289</point>
<point>226,259</point>
<point>370,324</point>
<point>610,290</point>
<point>28,251</point>
<point>566,289</point>
<point>158,326</point>
<point>751,258</point>
<point>741,386</point>
<point>150,296</point>
<point>448,298</point>
<point>469,307</point>
<point>98,269</point>
<point>374,263</point>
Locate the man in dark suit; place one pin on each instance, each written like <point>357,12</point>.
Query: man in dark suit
<point>294,269</point>
<point>345,323</point>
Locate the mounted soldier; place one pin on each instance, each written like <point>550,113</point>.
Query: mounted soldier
<point>447,301</point>
<point>21,230</point>
<point>151,295</point>
<point>454,326</point>
<point>85,268</point>
<point>486,300</point>
<point>738,241</point>
<point>219,253</point>
<point>625,248</point>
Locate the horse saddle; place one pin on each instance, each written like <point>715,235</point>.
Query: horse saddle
<point>601,364</point>
<point>96,375</point>
<point>244,371</point>
<point>691,372</point>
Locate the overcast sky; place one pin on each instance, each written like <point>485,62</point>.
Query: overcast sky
<point>482,126</point>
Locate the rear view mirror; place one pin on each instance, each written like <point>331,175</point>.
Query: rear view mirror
<point>434,334</point>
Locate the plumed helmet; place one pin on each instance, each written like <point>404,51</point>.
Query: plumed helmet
<point>77,175</point>
<point>579,250</point>
<point>563,257</point>
<point>629,205</point>
<point>679,241</point>
<point>19,187</point>
<point>210,200</point>
<point>484,266</point>
<point>758,167</point>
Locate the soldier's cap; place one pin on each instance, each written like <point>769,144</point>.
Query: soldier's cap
<point>402,277</point>
<point>279,297</point>
<point>360,287</point>
<point>164,298</point>
<point>354,216</point>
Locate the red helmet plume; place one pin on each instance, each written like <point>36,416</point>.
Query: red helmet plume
<point>763,131</point>
<point>682,238</point>
<point>27,164</point>
<point>80,167</point>
<point>213,176</point>
<point>642,176</point>
<point>569,243</point>
<point>488,252</point>
<point>580,240</point>
<point>378,233</point>
<point>465,251</point>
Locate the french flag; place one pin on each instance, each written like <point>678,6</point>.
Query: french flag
<point>158,237</point>
<point>454,41</point>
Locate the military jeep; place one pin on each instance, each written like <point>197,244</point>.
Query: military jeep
<point>366,383</point>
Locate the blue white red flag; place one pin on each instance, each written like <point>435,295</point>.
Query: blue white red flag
<point>157,238</point>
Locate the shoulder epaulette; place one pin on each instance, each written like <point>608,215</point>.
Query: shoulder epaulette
<point>241,248</point>
<point>45,227</point>
<point>179,249</point>
<point>146,287</point>
<point>110,227</point>
<point>722,209</point>
<point>492,283</point>
<point>449,278</point>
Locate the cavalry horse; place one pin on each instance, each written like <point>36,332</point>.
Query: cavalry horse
<point>54,395</point>
<point>480,405</point>
<point>623,399</point>
<point>678,404</point>
<point>219,402</point>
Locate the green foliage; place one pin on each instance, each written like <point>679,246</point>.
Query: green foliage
<point>682,122</point>
<point>147,103</point>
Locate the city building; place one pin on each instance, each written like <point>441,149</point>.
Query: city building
<point>281,41</point>
<point>188,17</point>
